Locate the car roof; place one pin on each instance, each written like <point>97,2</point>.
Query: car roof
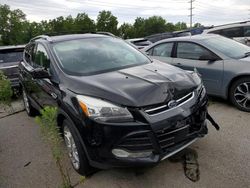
<point>226,26</point>
<point>60,38</point>
<point>190,38</point>
<point>11,47</point>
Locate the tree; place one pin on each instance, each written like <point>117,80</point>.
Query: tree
<point>170,27</point>
<point>106,21</point>
<point>155,24</point>
<point>139,27</point>
<point>11,25</point>
<point>198,25</point>
<point>180,26</point>
<point>126,31</point>
<point>84,23</point>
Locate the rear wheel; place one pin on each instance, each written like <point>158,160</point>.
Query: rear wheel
<point>76,152</point>
<point>240,94</point>
<point>31,111</point>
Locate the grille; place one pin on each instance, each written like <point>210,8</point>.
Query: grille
<point>136,142</point>
<point>162,108</point>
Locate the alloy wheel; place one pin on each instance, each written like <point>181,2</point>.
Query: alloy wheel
<point>242,95</point>
<point>71,146</point>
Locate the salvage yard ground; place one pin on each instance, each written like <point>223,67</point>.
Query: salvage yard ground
<point>223,156</point>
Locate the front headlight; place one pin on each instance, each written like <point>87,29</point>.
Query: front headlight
<point>99,109</point>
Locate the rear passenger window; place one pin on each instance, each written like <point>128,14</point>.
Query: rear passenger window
<point>232,32</point>
<point>247,31</point>
<point>164,50</point>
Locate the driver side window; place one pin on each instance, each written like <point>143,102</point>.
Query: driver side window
<point>41,58</point>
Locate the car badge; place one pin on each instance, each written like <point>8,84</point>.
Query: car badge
<point>172,103</point>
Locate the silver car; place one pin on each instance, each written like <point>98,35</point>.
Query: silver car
<point>10,56</point>
<point>238,31</point>
<point>224,64</point>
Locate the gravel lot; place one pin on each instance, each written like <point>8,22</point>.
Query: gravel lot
<point>223,156</point>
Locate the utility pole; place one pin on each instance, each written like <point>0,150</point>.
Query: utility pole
<point>191,12</point>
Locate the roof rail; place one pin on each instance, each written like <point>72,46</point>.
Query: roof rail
<point>46,37</point>
<point>242,22</point>
<point>105,33</point>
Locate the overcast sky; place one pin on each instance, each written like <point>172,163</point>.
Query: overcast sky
<point>207,12</point>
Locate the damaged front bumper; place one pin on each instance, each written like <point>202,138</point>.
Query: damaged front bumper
<point>154,136</point>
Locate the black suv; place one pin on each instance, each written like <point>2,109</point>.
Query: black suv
<point>117,107</point>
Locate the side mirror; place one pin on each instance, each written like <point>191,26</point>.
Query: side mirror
<point>208,57</point>
<point>39,73</point>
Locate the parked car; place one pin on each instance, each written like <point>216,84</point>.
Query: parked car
<point>140,43</point>
<point>224,64</point>
<point>237,31</point>
<point>117,108</point>
<point>187,32</point>
<point>10,56</point>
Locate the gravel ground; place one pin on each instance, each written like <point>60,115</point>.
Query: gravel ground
<point>223,157</point>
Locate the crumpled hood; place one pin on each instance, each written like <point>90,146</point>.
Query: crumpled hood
<point>136,86</point>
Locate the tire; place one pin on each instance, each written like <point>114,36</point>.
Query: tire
<point>31,111</point>
<point>76,151</point>
<point>239,94</point>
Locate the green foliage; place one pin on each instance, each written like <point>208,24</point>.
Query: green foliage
<point>50,130</point>
<point>198,25</point>
<point>5,89</point>
<point>139,27</point>
<point>155,24</point>
<point>180,26</point>
<point>126,31</point>
<point>15,29</point>
<point>84,23</point>
<point>50,133</point>
<point>11,25</point>
<point>106,21</point>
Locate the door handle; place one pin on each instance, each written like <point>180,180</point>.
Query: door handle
<point>54,96</point>
<point>179,64</point>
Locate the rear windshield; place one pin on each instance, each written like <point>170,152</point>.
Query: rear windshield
<point>96,55</point>
<point>13,55</point>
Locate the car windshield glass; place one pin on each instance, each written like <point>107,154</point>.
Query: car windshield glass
<point>97,55</point>
<point>228,47</point>
<point>7,56</point>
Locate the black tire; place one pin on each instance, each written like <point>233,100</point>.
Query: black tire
<point>31,111</point>
<point>235,95</point>
<point>84,168</point>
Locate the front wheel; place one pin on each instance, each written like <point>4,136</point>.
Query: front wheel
<point>240,94</point>
<point>76,152</point>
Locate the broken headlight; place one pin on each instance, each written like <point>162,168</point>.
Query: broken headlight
<point>102,110</point>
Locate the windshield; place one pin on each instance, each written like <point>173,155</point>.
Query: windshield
<point>228,47</point>
<point>7,56</point>
<point>97,55</point>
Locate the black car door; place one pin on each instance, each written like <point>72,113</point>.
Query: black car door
<point>41,91</point>
<point>46,92</point>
